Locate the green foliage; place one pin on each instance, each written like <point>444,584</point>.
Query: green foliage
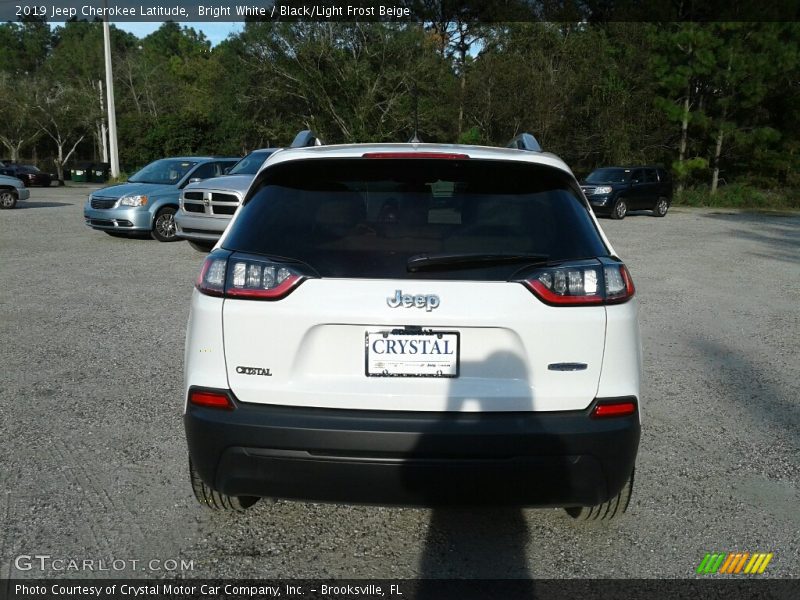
<point>122,178</point>
<point>24,46</point>
<point>18,127</point>
<point>741,196</point>
<point>596,94</point>
<point>348,81</point>
<point>685,169</point>
<point>471,136</point>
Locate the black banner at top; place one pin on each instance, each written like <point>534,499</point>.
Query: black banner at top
<point>488,11</point>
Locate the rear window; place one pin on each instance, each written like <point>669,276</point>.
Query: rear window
<point>367,217</point>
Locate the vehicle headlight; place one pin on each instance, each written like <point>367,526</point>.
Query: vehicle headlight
<point>134,200</point>
<point>603,189</point>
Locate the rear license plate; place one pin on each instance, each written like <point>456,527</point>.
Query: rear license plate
<point>403,354</point>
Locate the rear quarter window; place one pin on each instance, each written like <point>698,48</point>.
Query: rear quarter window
<point>366,217</point>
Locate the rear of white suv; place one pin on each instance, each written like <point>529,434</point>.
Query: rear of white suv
<point>414,324</point>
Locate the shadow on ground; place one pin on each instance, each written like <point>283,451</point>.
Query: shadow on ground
<point>483,542</point>
<point>778,233</point>
<point>29,204</point>
<point>751,388</point>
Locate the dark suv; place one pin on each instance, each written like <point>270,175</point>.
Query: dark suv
<point>616,190</point>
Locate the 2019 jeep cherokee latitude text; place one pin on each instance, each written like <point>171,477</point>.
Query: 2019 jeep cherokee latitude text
<point>414,324</point>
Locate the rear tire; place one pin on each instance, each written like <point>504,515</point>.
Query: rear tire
<point>612,509</point>
<point>201,246</point>
<point>620,209</point>
<point>8,200</point>
<point>215,500</point>
<point>661,207</point>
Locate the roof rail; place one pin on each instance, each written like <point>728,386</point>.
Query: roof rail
<point>525,141</point>
<point>306,138</point>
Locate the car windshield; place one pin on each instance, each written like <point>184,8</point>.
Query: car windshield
<point>609,176</point>
<point>416,218</point>
<point>166,171</point>
<point>251,163</point>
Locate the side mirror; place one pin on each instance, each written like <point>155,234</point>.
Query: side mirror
<point>226,170</point>
<point>195,179</point>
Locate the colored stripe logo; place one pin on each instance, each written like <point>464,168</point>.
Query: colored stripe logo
<point>734,563</point>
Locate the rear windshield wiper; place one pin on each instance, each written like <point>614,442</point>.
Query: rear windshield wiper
<point>424,262</point>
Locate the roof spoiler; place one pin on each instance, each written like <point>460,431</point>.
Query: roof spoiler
<point>305,139</point>
<point>525,141</point>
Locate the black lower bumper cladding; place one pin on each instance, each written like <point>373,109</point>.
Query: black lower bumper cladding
<point>412,458</point>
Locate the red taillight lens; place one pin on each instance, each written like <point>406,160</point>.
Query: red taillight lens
<point>238,276</point>
<point>212,276</point>
<point>440,155</point>
<point>581,285</point>
<point>619,285</point>
<point>621,408</point>
<point>209,399</point>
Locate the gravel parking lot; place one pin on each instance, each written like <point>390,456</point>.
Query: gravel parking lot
<point>93,457</point>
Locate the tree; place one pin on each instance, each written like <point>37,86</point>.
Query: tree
<point>18,129</point>
<point>63,113</point>
<point>352,82</point>
<point>77,58</point>
<point>456,31</point>
<point>750,58</point>
<point>24,46</point>
<point>684,58</point>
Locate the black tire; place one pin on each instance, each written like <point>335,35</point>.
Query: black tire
<point>201,246</point>
<point>661,207</point>
<point>8,199</point>
<point>612,509</point>
<point>620,209</point>
<point>164,229</point>
<point>215,500</point>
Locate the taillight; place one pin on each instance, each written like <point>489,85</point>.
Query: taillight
<point>614,408</point>
<point>238,276</point>
<point>211,399</point>
<point>581,284</point>
<point>435,155</point>
<point>212,276</point>
<point>619,285</point>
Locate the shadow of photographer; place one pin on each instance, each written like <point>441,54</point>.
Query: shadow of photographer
<point>472,468</point>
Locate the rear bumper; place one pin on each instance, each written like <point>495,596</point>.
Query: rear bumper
<point>23,193</point>
<point>203,228</point>
<point>408,458</point>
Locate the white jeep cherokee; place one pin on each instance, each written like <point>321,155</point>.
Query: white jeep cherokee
<point>414,324</point>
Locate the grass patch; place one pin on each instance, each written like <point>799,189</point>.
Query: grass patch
<point>123,178</point>
<point>737,195</point>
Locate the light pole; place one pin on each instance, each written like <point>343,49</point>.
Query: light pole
<point>112,115</point>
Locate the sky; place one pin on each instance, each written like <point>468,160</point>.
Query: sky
<point>215,32</point>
